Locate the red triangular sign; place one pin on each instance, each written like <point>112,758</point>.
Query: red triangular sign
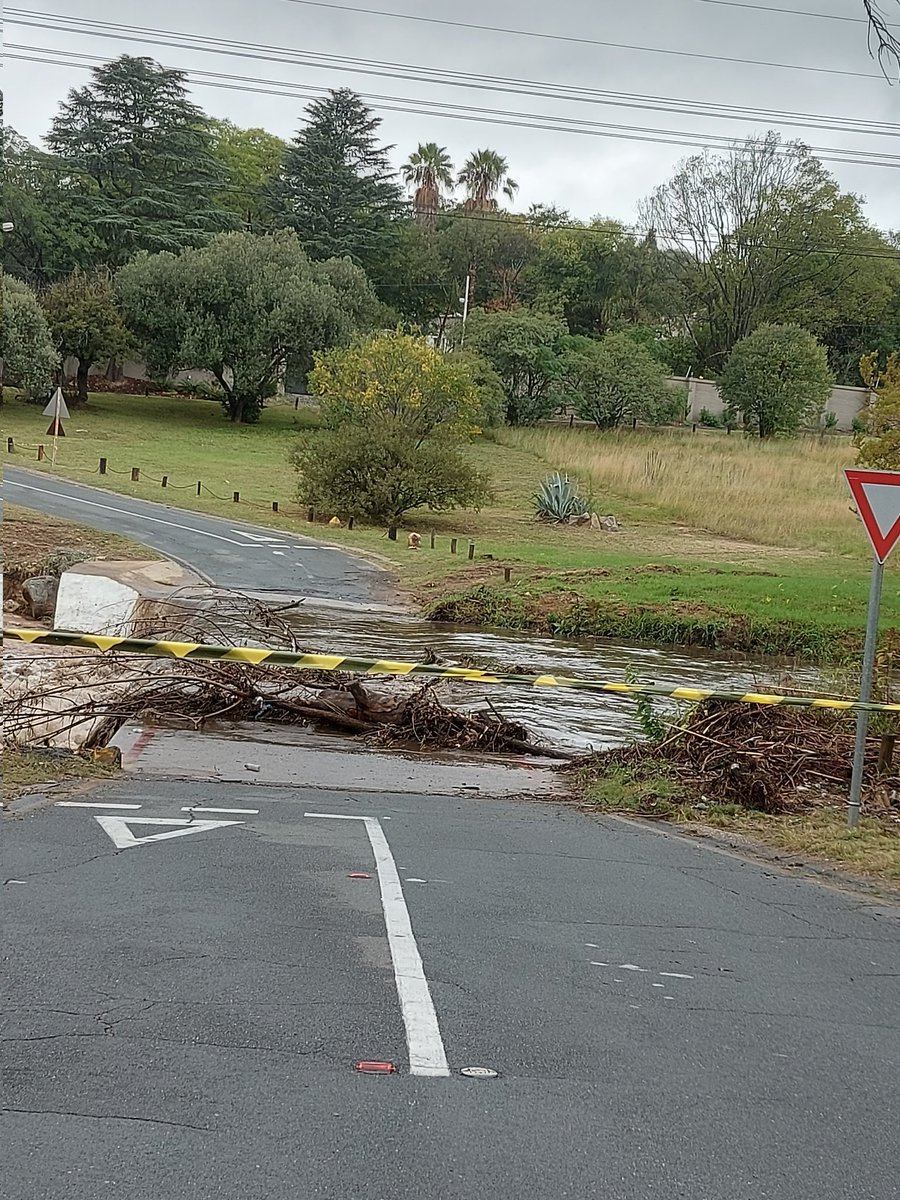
<point>877,496</point>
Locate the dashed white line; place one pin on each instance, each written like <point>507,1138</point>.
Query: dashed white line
<point>423,1035</point>
<point>92,804</point>
<point>674,975</point>
<point>201,808</point>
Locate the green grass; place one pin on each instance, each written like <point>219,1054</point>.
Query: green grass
<point>818,833</point>
<point>725,543</point>
<point>30,770</point>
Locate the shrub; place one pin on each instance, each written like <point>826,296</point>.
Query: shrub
<point>558,499</point>
<point>778,378</point>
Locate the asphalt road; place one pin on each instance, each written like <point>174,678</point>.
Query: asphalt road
<point>230,554</point>
<point>181,1017</point>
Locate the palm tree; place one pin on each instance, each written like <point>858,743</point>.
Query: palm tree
<point>485,174</point>
<point>430,171</point>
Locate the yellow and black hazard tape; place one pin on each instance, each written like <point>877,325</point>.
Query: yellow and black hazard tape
<point>384,666</point>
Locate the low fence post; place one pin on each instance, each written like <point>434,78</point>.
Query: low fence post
<point>453,545</point>
<point>135,474</point>
<point>507,571</point>
<point>102,466</point>
<point>10,446</point>
<point>165,481</point>
<point>471,551</point>
<point>274,506</point>
<point>236,497</point>
<point>40,453</point>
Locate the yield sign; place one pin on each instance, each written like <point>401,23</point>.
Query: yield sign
<point>877,496</point>
<point>123,839</point>
<point>57,407</point>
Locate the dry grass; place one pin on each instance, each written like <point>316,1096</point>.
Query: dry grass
<point>779,493</point>
<point>35,544</point>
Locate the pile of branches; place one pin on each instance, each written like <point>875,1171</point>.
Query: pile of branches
<point>749,755</point>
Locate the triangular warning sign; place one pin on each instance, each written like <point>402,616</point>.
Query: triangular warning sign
<point>877,496</point>
<point>57,407</point>
<point>123,839</point>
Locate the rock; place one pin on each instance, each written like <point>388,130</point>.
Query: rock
<point>607,524</point>
<point>40,592</point>
<point>595,522</point>
<point>579,519</point>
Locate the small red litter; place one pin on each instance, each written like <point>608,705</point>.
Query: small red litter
<point>375,1068</point>
<point>359,875</point>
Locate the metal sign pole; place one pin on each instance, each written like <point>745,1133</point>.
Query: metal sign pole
<point>865,692</point>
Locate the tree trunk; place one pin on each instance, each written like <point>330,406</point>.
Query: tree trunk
<point>81,383</point>
<point>236,409</point>
<point>392,533</point>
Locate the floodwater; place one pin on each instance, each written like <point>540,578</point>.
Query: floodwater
<point>563,717</point>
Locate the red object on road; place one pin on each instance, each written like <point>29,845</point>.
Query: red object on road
<point>375,1068</point>
<point>359,875</point>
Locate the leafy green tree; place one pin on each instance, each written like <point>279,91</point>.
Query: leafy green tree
<point>29,358</point>
<point>140,158</point>
<point>429,170</point>
<point>616,379</point>
<point>525,348</point>
<point>251,159</point>
<point>778,378</point>
<point>485,175</point>
<point>46,241</point>
<point>397,413</point>
<point>85,323</point>
<point>337,189</point>
<point>879,440</point>
<point>243,307</point>
<point>761,235</point>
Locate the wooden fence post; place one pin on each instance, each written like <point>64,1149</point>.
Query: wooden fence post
<point>135,474</point>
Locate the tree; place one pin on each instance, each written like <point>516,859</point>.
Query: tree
<point>616,378</point>
<point>244,307</point>
<point>140,159</point>
<point>46,241</point>
<point>879,441</point>
<point>337,189</point>
<point>484,175</point>
<point>430,170</point>
<point>884,45</point>
<point>397,413</point>
<point>85,323</point>
<point>778,378</point>
<point>525,349</point>
<point>251,159</point>
<point>27,353</point>
<point>761,235</point>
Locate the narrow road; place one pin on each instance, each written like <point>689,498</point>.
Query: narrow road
<point>230,554</point>
<point>182,1016</point>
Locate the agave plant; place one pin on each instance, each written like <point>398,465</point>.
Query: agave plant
<point>558,499</point>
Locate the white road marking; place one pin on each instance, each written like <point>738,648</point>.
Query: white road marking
<point>180,526</point>
<point>117,828</point>
<point>674,975</point>
<point>91,804</point>
<point>251,812</point>
<point>423,1035</point>
<point>632,967</point>
<point>658,985</point>
<point>260,537</point>
<point>592,945</point>
<point>280,553</point>
<point>599,964</point>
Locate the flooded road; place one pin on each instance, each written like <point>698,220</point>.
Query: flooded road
<point>563,717</point>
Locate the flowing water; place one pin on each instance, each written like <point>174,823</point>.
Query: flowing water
<point>561,716</point>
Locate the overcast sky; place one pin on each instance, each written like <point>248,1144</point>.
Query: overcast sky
<point>587,174</point>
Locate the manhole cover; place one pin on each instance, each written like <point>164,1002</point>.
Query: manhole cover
<point>479,1073</point>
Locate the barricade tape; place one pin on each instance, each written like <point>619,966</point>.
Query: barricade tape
<point>383,666</point>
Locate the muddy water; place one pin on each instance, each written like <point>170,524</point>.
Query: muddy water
<point>567,718</point>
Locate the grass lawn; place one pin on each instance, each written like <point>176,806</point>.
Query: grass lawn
<point>816,832</point>
<point>726,542</point>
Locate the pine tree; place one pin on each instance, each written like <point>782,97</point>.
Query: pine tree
<point>338,190</point>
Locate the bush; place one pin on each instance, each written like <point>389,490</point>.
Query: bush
<point>778,378</point>
<point>878,439</point>
<point>710,420</point>
<point>396,414</point>
<point>373,473</point>
<point>615,379</point>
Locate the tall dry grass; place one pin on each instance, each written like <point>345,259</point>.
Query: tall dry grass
<point>778,493</point>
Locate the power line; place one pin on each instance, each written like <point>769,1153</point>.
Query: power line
<point>496,117</point>
<point>56,18</point>
<point>493,83</point>
<point>795,12</point>
<point>580,41</point>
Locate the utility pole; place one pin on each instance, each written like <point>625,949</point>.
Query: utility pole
<point>465,313</point>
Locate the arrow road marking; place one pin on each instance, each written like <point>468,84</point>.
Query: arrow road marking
<point>117,828</point>
<point>423,1034</point>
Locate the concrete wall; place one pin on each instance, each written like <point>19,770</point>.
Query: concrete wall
<point>90,602</point>
<point>845,402</point>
